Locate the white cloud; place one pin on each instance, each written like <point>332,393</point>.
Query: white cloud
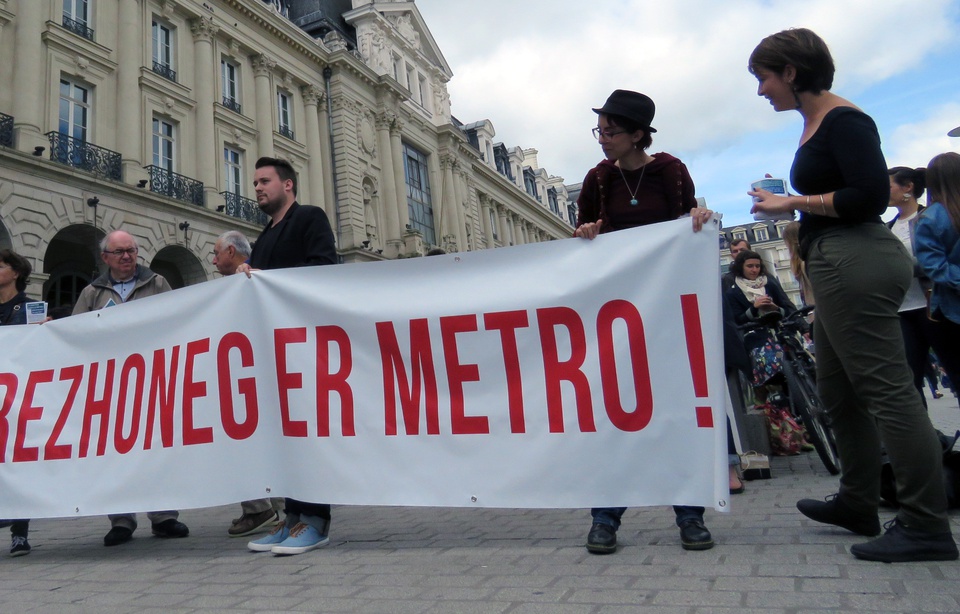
<point>535,68</point>
<point>916,143</point>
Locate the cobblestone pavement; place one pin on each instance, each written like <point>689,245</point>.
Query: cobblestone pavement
<point>768,558</point>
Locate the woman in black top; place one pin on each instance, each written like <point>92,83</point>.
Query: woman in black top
<point>860,273</point>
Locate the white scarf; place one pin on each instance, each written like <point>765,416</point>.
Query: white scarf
<point>752,289</point>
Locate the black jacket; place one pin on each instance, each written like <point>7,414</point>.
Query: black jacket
<point>303,238</point>
<point>743,310</point>
<point>13,311</point>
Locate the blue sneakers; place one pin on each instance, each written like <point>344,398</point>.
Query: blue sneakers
<point>271,539</point>
<point>303,538</point>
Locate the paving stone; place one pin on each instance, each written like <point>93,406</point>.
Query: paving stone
<point>768,559</point>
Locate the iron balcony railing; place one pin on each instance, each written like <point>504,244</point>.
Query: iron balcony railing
<point>78,27</point>
<point>85,156</point>
<point>232,104</point>
<point>175,185</point>
<point>6,130</point>
<point>243,208</point>
<point>165,71</point>
<point>286,131</point>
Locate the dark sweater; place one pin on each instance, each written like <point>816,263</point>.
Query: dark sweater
<point>665,193</point>
<point>843,156</point>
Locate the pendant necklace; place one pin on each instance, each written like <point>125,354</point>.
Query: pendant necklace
<point>633,193</point>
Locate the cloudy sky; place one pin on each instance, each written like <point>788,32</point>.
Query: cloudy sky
<point>535,68</point>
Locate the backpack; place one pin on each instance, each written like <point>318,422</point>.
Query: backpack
<point>951,474</point>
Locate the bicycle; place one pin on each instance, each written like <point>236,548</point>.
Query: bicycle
<point>799,372</point>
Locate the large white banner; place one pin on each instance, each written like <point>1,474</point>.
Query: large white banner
<point>563,374</point>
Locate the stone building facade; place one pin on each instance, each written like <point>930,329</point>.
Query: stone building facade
<point>148,115</point>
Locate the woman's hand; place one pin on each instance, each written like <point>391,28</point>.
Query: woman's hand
<point>764,304</point>
<point>700,215</point>
<point>590,230</point>
<point>765,201</point>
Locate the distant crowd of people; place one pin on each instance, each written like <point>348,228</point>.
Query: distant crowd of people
<point>885,296</point>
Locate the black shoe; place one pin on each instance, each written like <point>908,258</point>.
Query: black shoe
<point>117,536</point>
<point>602,539</point>
<point>19,545</point>
<point>834,511</point>
<point>901,544</point>
<point>694,535</point>
<point>170,528</point>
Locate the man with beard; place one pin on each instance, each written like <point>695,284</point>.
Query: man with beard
<point>297,235</point>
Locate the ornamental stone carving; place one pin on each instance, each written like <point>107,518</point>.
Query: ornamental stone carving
<point>312,95</point>
<point>368,138</point>
<point>203,29</point>
<point>373,49</point>
<point>263,64</point>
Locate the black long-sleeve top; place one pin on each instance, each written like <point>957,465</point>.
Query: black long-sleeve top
<point>843,156</point>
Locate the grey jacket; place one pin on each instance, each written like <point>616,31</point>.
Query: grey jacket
<point>100,291</point>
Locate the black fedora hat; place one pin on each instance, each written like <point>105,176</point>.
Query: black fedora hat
<point>632,105</point>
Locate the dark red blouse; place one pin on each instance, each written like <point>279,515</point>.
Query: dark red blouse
<point>665,193</point>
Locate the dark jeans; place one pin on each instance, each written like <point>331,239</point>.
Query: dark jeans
<point>18,528</point>
<point>301,508</point>
<point>920,335</point>
<point>611,515</point>
<point>946,345</point>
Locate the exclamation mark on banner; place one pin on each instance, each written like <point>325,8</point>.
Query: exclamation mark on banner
<point>698,361</point>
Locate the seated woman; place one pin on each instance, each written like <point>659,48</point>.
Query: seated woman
<point>753,296</point>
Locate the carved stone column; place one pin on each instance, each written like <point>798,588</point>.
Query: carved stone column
<point>504,220</point>
<point>517,231</point>
<point>448,202</point>
<point>486,222</point>
<point>28,75</point>
<point>460,190</point>
<point>396,151</point>
<point>129,109</point>
<point>262,66</point>
<point>204,30</point>
<point>393,232</point>
<point>312,99</point>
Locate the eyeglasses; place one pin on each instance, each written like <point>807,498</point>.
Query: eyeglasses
<point>607,134</point>
<point>132,251</point>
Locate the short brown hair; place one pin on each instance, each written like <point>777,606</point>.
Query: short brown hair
<point>284,169</point>
<point>20,266</point>
<point>802,49</point>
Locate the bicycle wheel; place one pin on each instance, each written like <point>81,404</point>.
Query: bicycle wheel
<point>807,406</point>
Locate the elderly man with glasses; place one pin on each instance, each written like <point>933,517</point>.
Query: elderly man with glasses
<point>125,281</point>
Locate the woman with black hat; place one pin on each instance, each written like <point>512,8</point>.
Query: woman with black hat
<point>633,188</point>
